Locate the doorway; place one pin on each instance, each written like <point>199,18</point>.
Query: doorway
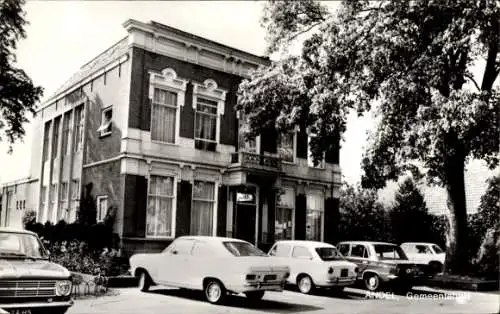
<point>245,215</point>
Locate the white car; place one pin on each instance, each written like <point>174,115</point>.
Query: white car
<point>216,265</point>
<point>425,253</point>
<point>314,264</point>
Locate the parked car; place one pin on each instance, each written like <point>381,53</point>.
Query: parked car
<point>425,253</point>
<point>29,282</point>
<point>383,263</point>
<point>216,265</point>
<point>315,265</point>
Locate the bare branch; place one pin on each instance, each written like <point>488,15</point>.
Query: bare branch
<point>470,77</point>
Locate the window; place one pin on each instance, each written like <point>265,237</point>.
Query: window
<point>64,191</point>
<point>55,137</point>
<point>423,249</point>
<point>203,208</point>
<point>66,134</point>
<point>205,124</point>
<point>437,249</point>
<point>301,252</point>
<point>310,160</point>
<point>286,147</point>
<point>43,196</point>
<point>314,219</point>
<point>163,116</point>
<point>238,248</point>
<point>106,126</point>
<point>102,208</point>
<point>46,139</point>
<point>343,249</point>
<point>281,250</point>
<point>78,135</point>
<point>53,193</point>
<point>75,189</point>
<point>182,246</point>
<point>385,251</point>
<point>160,207</point>
<point>246,144</point>
<point>285,205</point>
<point>359,250</point>
<point>329,254</point>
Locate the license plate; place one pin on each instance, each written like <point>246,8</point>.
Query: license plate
<point>20,311</point>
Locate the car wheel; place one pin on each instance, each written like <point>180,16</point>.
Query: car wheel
<point>372,282</point>
<point>144,281</point>
<point>255,295</point>
<point>435,268</point>
<point>305,284</point>
<point>215,292</point>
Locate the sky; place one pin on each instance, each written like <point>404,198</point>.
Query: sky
<point>64,35</point>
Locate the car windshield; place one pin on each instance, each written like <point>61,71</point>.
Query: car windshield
<point>242,249</point>
<point>387,251</point>
<point>437,249</point>
<point>20,245</point>
<point>329,254</point>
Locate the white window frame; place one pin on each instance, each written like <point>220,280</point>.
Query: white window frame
<point>174,205</point>
<point>101,198</point>
<point>167,80</point>
<point>310,164</point>
<point>322,222</point>
<point>210,90</point>
<point>292,208</point>
<point>106,124</point>
<point>214,202</point>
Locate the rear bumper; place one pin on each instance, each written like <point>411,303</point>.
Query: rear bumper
<point>257,286</point>
<point>38,305</point>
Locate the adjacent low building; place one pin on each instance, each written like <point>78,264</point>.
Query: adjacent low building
<point>148,129</point>
<point>16,198</point>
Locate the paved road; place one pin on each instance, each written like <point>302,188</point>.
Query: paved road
<point>163,300</point>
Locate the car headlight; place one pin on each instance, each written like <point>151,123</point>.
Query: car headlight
<point>63,287</point>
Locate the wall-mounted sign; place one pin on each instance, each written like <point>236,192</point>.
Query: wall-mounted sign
<point>245,198</point>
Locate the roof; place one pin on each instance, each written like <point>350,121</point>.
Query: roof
<point>100,61</point>
<point>419,243</point>
<point>15,230</point>
<point>210,238</point>
<point>368,242</point>
<point>305,242</point>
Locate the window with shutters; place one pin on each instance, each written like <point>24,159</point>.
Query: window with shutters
<point>160,206</point>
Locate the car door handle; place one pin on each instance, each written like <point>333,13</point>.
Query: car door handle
<point>174,252</point>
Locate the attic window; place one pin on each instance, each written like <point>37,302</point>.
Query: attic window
<point>106,125</point>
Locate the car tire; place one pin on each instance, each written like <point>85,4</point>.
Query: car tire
<point>371,282</point>
<point>215,292</point>
<point>144,281</point>
<point>435,267</point>
<point>305,284</point>
<point>255,295</point>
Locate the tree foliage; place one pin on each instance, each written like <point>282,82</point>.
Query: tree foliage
<point>18,95</point>
<point>411,63</point>
<point>362,217</point>
<point>410,218</point>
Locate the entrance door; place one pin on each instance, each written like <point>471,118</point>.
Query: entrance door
<point>245,216</point>
<point>245,222</point>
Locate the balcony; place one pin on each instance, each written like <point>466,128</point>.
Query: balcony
<point>252,161</point>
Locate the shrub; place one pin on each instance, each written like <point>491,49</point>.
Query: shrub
<point>29,218</point>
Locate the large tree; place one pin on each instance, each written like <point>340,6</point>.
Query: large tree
<point>426,68</point>
<point>18,95</point>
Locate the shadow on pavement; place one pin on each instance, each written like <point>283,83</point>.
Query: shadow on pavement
<point>236,301</point>
<point>344,295</point>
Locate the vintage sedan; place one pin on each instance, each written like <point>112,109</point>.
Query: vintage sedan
<point>384,263</point>
<point>315,265</point>
<point>425,253</point>
<point>29,282</point>
<point>216,265</point>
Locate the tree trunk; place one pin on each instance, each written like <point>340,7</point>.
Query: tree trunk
<point>457,259</point>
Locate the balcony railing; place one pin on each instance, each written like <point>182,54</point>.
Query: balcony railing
<point>256,161</point>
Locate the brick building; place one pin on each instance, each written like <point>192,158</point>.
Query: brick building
<point>149,129</point>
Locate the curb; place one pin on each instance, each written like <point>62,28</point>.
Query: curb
<point>468,285</point>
